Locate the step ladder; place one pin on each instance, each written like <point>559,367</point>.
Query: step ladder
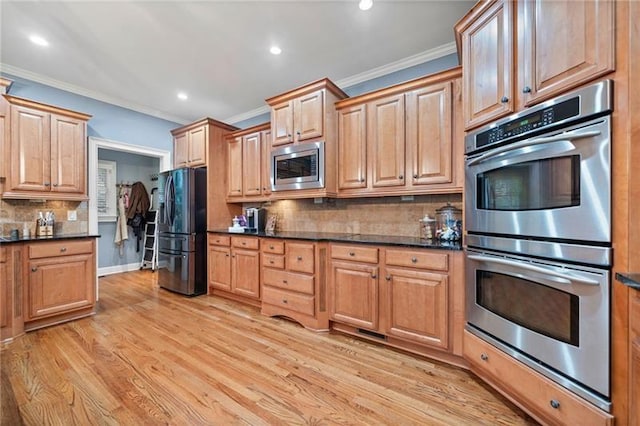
<point>150,254</point>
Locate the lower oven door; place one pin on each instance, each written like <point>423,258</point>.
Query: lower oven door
<point>556,185</point>
<point>552,316</point>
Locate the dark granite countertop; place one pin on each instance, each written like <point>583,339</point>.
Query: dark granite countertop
<point>631,279</point>
<point>7,240</point>
<point>392,240</point>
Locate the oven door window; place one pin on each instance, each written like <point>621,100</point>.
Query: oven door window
<point>543,184</point>
<point>545,310</point>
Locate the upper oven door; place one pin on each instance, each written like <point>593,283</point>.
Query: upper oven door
<point>556,185</point>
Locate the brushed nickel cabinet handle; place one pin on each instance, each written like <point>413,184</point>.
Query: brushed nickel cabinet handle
<point>285,301</point>
<point>414,260</point>
<point>526,89</point>
<point>388,278</point>
<point>34,269</point>
<point>374,276</point>
<point>55,185</point>
<point>401,177</point>
<point>285,282</point>
<point>504,100</point>
<point>63,249</point>
<point>271,262</point>
<point>351,254</point>
<point>415,176</point>
<point>554,404</point>
<point>484,357</point>
<point>299,257</point>
<point>47,184</point>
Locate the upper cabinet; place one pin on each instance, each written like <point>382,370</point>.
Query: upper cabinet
<point>307,114</point>
<point>46,154</point>
<point>248,154</point>
<point>405,139</point>
<point>560,45</point>
<point>191,142</point>
<point>4,129</point>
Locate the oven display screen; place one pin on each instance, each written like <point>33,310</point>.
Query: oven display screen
<point>532,119</point>
<point>539,308</point>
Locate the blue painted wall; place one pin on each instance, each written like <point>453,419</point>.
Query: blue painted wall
<point>130,168</point>
<point>107,121</point>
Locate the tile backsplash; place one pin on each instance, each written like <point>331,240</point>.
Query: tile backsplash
<point>377,216</point>
<point>15,213</point>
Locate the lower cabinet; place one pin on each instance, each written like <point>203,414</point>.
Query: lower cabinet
<point>634,370</point>
<point>60,282</point>
<point>543,399</point>
<point>401,296</point>
<point>293,282</point>
<point>234,267</point>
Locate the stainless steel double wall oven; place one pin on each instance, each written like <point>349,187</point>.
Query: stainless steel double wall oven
<point>538,256</point>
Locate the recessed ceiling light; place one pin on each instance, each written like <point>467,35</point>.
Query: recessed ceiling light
<point>182,96</point>
<point>40,41</point>
<point>365,4</point>
<point>275,50</point>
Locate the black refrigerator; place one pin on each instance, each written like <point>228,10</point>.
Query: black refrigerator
<point>182,231</point>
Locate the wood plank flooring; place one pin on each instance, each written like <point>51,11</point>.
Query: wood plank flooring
<point>153,357</point>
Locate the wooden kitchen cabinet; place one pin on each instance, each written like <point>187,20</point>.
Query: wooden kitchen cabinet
<point>354,294</point>
<point>634,357</point>
<point>61,281</point>
<point>293,281</point>
<point>46,155</point>
<point>4,288</point>
<point>248,158</point>
<point>298,119</point>
<point>266,162</point>
<point>5,116</point>
<point>560,45</point>
<point>234,267</point>
<point>406,139</point>
<point>11,290</point>
<point>192,142</point>
<point>540,397</point>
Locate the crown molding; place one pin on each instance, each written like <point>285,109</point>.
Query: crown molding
<point>417,59</point>
<point>38,78</point>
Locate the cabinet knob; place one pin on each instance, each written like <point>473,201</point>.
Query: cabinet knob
<point>55,185</point>
<point>285,301</point>
<point>244,243</point>
<point>504,100</point>
<point>271,262</point>
<point>401,177</point>
<point>285,282</point>
<point>299,258</point>
<point>298,133</point>
<point>47,184</point>
<point>233,255</point>
<point>415,176</point>
<point>414,260</point>
<point>257,189</point>
<point>374,276</point>
<point>351,254</point>
<point>526,89</point>
<point>388,278</point>
<point>63,249</point>
<point>271,247</point>
<point>361,179</point>
<point>227,255</point>
<point>34,269</point>
<point>554,404</point>
<point>484,357</point>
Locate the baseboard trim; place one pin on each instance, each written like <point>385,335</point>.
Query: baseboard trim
<point>118,269</point>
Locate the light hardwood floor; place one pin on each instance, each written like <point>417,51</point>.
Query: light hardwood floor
<point>153,357</point>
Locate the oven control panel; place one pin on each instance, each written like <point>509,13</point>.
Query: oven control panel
<point>577,106</point>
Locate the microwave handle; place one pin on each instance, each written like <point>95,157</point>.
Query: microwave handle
<point>565,278</point>
<point>530,142</point>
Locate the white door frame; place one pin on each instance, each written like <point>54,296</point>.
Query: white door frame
<point>163,156</point>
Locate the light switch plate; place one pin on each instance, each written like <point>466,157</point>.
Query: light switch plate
<point>72,215</point>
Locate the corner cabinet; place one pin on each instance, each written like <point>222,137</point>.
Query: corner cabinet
<point>46,152</point>
<point>307,114</point>
<point>405,139</point>
<point>559,45</point>
<point>191,142</point>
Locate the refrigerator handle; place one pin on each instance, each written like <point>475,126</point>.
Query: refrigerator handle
<point>168,201</point>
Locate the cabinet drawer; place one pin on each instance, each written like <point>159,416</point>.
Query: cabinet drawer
<point>286,299</point>
<point>59,248</point>
<point>417,259</point>
<point>3,254</point>
<point>288,280</point>
<point>250,243</point>
<point>536,391</point>
<point>355,253</point>
<point>272,261</point>
<point>300,257</point>
<point>273,246</point>
<point>219,240</point>
<point>634,311</point>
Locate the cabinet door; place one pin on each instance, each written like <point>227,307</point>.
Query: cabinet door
<point>198,146</point>
<point>308,116</point>
<point>59,284</point>
<point>282,123</point>
<point>181,150</point>
<point>4,318</point>
<point>353,294</point>
<point>564,44</point>
<point>487,60</point>
<point>220,267</point>
<point>387,140</point>
<point>429,140</point>
<point>266,162</point>
<point>352,147</point>
<point>234,167</point>
<point>417,306</point>
<point>246,273</point>
<point>68,154</point>
<point>30,149</point>
<point>634,380</point>
<point>251,162</point>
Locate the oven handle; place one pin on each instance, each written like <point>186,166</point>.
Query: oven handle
<point>531,142</point>
<point>566,278</point>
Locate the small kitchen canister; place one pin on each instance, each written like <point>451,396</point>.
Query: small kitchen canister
<point>427,228</point>
<point>449,223</point>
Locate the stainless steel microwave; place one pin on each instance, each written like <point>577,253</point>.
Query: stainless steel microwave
<point>298,166</point>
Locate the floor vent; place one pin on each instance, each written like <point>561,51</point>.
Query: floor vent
<point>372,334</point>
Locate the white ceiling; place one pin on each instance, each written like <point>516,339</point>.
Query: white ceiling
<point>139,54</point>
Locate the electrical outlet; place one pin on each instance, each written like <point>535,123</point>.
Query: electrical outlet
<point>72,215</point>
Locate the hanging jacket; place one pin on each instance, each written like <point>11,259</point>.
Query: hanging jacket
<point>138,207</point>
